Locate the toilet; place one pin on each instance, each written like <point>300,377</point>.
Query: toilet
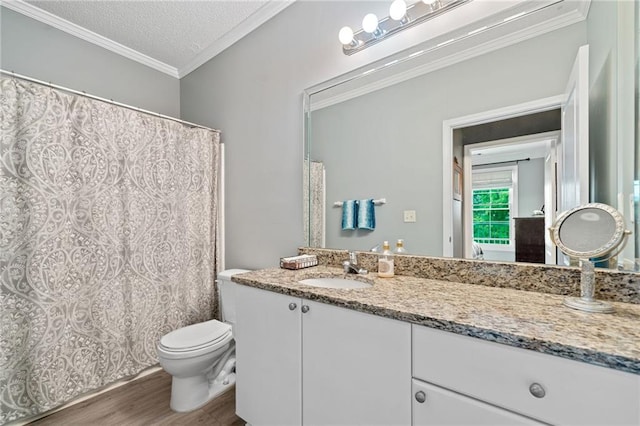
<point>201,357</point>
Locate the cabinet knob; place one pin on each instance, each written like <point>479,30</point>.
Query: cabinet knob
<point>537,390</point>
<point>305,309</point>
<point>292,306</point>
<point>421,397</point>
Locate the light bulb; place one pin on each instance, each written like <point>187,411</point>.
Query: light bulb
<point>370,22</point>
<point>345,35</point>
<point>397,10</point>
<point>431,3</point>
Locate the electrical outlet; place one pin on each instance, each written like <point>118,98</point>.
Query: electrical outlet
<point>409,215</point>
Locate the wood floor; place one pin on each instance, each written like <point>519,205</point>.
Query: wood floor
<point>144,402</point>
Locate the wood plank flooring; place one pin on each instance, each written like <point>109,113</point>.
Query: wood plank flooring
<point>144,402</point>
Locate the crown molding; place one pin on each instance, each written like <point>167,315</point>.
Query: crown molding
<point>573,16</point>
<point>583,8</point>
<point>84,34</point>
<point>262,15</point>
<point>258,18</point>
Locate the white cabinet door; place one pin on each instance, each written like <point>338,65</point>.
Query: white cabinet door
<point>433,405</point>
<point>268,357</point>
<point>356,368</point>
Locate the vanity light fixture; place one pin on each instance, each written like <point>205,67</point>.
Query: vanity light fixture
<point>401,16</point>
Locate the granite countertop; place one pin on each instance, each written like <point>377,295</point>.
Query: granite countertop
<point>524,319</point>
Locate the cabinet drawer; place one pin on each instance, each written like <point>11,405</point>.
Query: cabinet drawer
<point>433,405</point>
<point>574,392</point>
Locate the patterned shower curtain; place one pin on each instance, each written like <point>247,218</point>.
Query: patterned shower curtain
<point>107,241</point>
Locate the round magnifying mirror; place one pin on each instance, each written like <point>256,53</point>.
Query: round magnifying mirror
<point>589,231</point>
<point>592,231</point>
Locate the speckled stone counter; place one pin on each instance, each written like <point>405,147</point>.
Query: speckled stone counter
<point>524,319</point>
<point>616,286</point>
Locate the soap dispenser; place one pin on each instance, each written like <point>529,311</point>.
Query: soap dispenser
<point>385,262</point>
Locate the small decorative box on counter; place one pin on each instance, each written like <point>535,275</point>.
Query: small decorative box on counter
<point>299,262</point>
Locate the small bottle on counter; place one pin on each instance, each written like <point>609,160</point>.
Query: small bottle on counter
<point>385,262</point>
<point>400,247</point>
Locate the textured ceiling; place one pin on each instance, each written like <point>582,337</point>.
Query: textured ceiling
<point>172,32</point>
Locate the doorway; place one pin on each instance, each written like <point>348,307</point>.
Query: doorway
<point>513,121</point>
<point>511,184</point>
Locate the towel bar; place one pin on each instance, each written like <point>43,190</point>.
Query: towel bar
<point>377,202</point>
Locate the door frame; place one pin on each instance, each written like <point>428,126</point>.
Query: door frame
<point>552,138</point>
<point>448,126</point>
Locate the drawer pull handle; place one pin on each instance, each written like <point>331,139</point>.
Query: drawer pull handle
<point>537,390</point>
<point>421,397</point>
<point>292,306</point>
<point>305,309</point>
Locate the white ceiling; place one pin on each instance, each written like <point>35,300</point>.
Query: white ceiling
<point>172,36</point>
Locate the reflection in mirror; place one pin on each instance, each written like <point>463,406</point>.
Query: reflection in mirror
<point>401,133</point>
<point>510,184</point>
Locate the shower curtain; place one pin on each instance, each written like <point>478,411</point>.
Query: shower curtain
<point>108,223</point>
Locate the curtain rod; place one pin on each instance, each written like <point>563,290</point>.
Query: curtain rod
<point>502,162</point>
<point>109,101</point>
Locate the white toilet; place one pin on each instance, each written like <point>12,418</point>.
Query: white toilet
<point>201,357</point>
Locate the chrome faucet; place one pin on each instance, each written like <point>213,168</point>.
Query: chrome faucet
<point>351,266</point>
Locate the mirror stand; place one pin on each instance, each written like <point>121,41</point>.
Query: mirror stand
<point>586,301</point>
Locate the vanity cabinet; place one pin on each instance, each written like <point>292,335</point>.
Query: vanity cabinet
<point>549,389</point>
<point>303,362</point>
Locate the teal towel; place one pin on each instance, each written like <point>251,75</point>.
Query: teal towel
<point>349,212</point>
<point>366,214</point>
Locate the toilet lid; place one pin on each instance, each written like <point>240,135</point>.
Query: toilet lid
<point>196,336</point>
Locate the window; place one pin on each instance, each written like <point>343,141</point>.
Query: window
<point>494,206</point>
<point>491,216</point>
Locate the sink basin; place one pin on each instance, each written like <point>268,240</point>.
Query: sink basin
<point>334,283</point>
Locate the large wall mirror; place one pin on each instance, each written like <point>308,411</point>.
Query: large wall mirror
<point>476,140</point>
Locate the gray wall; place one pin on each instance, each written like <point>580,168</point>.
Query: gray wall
<point>40,51</point>
<point>612,100</point>
<point>253,93</point>
<point>530,186</point>
<point>388,143</point>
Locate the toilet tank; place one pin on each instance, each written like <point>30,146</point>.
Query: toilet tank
<point>227,294</point>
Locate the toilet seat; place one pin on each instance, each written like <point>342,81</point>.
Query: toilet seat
<point>194,339</point>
